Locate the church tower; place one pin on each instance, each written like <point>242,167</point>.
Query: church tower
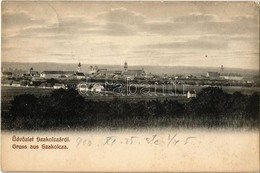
<point>79,67</point>
<point>125,66</point>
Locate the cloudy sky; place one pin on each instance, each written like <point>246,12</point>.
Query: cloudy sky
<point>141,33</point>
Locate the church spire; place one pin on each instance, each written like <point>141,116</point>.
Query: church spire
<point>79,67</point>
<point>125,66</point>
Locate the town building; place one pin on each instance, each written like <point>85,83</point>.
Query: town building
<point>71,84</point>
<point>102,72</point>
<point>16,83</point>
<point>110,73</point>
<point>133,72</point>
<point>118,72</point>
<point>97,88</point>
<point>213,75</point>
<point>90,87</point>
<point>191,94</point>
<point>7,74</point>
<point>33,73</point>
<point>231,76</point>
<point>79,75</point>
<point>6,82</point>
<point>59,86</point>
<point>42,85</point>
<point>93,70</point>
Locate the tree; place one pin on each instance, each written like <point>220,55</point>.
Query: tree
<point>24,109</point>
<point>64,106</point>
<point>60,108</point>
<point>237,104</point>
<point>210,101</point>
<point>252,107</point>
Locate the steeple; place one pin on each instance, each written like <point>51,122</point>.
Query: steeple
<point>125,66</point>
<point>79,67</point>
<point>222,68</point>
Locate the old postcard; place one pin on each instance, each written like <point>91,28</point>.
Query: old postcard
<point>130,86</point>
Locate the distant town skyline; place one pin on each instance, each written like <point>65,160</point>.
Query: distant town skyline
<point>208,34</point>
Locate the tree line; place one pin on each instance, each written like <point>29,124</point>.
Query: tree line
<point>66,109</point>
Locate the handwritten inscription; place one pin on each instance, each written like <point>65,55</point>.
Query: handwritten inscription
<point>155,139</point>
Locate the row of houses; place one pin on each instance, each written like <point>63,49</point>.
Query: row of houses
<point>90,87</point>
<point>108,73</point>
<point>95,72</point>
<point>62,74</point>
<point>230,76</point>
<point>11,83</point>
<point>113,73</point>
<point>100,73</point>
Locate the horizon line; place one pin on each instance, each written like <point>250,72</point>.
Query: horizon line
<point>76,63</point>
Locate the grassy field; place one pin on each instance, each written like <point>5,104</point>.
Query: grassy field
<point>62,109</point>
<point>8,93</point>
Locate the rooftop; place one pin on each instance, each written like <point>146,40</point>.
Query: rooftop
<point>79,74</point>
<point>134,72</point>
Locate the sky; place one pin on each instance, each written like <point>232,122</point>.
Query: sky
<point>207,34</point>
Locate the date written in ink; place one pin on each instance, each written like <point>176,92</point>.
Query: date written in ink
<point>154,139</point>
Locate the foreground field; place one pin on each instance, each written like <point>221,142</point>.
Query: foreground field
<point>8,93</point>
<point>67,109</point>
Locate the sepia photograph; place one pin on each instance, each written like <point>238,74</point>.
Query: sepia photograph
<point>130,86</point>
